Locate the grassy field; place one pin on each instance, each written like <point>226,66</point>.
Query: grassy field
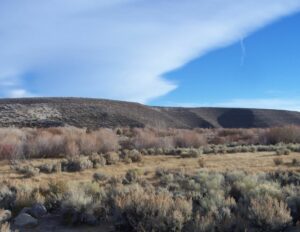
<point>248,162</point>
<point>151,180</point>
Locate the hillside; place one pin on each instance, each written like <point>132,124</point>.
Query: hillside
<point>92,113</point>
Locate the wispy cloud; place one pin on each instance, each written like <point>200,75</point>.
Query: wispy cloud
<point>260,103</point>
<point>268,103</point>
<point>118,49</point>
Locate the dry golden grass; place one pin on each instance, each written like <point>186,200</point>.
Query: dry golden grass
<point>249,162</point>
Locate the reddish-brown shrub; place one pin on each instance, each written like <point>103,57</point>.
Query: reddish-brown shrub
<point>286,134</point>
<point>188,138</point>
<point>146,138</point>
<point>108,140</point>
<point>46,144</point>
<point>11,143</point>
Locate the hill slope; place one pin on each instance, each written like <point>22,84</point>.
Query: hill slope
<point>93,113</point>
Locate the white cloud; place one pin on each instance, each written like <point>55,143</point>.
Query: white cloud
<point>19,93</point>
<point>119,49</point>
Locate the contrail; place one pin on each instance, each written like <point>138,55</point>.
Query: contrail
<point>243,48</point>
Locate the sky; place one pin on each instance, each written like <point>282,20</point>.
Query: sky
<point>233,53</point>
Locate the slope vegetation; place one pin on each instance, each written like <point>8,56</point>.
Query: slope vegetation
<point>93,113</point>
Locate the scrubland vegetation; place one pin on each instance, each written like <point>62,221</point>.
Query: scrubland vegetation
<point>146,179</point>
<point>68,142</point>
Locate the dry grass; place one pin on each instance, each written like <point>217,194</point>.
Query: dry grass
<point>249,162</point>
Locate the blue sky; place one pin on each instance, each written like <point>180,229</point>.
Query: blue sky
<point>182,53</point>
<point>262,70</point>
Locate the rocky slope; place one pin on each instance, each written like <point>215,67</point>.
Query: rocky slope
<point>93,113</point>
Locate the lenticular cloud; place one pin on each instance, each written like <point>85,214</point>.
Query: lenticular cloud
<point>117,49</point>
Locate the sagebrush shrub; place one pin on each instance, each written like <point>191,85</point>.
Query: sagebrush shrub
<point>283,151</point>
<point>7,197</point>
<point>294,205</point>
<point>97,160</point>
<point>112,158</point>
<point>26,196</point>
<point>55,193</point>
<point>5,227</point>
<point>295,162</point>
<point>28,171</point>
<point>100,177</point>
<point>77,198</point>
<point>269,214</point>
<point>278,161</point>
<point>131,176</point>
<point>83,204</point>
<point>50,167</point>
<point>149,211</point>
<point>77,164</point>
<point>132,156</point>
<point>135,156</point>
<point>191,153</point>
<point>201,163</point>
